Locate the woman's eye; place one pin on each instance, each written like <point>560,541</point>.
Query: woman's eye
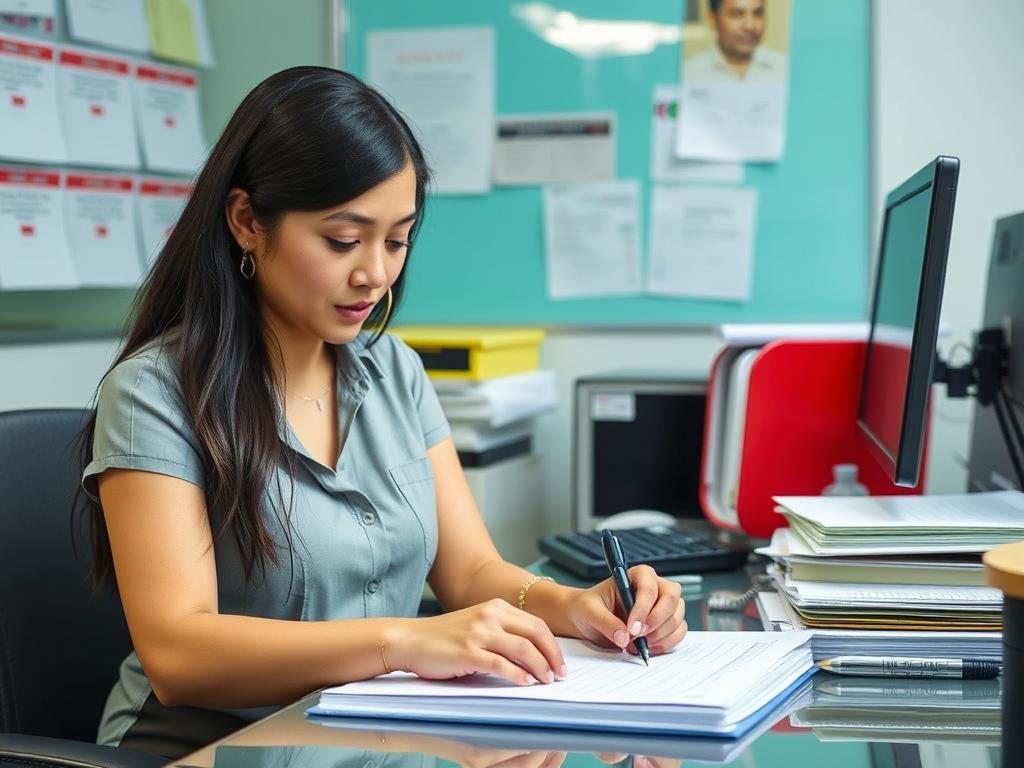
<point>341,245</point>
<point>396,245</point>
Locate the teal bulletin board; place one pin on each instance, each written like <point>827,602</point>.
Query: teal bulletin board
<point>480,259</point>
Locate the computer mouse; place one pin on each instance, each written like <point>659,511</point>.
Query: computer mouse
<point>636,518</point>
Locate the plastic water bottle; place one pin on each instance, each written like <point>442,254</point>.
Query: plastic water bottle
<point>844,482</point>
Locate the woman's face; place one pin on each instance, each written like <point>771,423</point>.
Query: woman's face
<point>327,269</point>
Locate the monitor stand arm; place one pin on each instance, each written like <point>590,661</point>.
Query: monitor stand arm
<point>983,378</point>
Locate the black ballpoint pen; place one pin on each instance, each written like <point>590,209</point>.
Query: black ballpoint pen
<point>617,568</point>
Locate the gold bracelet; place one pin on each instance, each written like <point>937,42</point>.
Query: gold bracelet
<point>526,588</point>
<point>384,659</point>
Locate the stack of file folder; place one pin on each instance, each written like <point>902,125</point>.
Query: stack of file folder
<point>490,386</point>
<point>891,575</point>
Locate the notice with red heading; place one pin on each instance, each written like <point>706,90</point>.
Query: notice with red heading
<point>33,248</point>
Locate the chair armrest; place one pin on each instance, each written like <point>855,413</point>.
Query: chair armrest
<point>20,751</point>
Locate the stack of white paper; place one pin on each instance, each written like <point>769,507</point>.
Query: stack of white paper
<point>882,606</point>
<point>875,595</point>
<point>759,334</point>
<point>498,402</point>
<point>880,525</point>
<point>713,683</point>
<point>778,615</point>
<point>477,438</point>
<point>891,575</point>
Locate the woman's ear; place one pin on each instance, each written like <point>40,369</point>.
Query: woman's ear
<point>241,220</point>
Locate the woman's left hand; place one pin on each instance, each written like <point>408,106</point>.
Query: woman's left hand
<point>597,613</point>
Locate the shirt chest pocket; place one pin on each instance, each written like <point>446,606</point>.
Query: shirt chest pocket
<point>415,482</point>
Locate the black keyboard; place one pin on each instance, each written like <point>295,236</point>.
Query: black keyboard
<point>667,550</point>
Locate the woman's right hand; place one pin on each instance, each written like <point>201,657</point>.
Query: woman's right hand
<point>492,637</point>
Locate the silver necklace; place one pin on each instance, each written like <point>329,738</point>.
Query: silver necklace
<point>321,402</point>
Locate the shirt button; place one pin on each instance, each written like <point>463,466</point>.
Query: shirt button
<point>369,518</point>
<point>369,764</point>
<point>372,586</point>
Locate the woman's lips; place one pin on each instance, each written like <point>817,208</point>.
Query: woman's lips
<point>354,312</point>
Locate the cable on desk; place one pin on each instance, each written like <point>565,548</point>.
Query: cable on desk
<point>736,601</point>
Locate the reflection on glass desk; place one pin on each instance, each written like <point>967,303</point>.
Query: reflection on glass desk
<point>832,721</point>
<point>902,710</point>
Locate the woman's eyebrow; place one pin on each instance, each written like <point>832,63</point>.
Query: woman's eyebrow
<point>358,218</point>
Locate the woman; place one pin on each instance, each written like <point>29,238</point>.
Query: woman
<point>270,484</point>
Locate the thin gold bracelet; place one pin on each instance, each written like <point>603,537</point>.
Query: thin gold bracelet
<point>526,588</point>
<point>384,659</point>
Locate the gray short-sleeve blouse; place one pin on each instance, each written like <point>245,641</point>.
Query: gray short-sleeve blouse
<point>364,534</point>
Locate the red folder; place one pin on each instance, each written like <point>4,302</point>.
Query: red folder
<point>800,420</point>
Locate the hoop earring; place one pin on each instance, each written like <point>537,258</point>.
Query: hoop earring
<point>247,257</point>
<point>387,312</point>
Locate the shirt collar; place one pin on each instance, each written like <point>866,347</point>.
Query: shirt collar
<point>757,59</point>
<point>359,357</point>
<point>357,367</point>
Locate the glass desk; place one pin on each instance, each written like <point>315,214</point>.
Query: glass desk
<point>838,722</point>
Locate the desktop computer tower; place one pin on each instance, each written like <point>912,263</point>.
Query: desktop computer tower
<point>637,442</point>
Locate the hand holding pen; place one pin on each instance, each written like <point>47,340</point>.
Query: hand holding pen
<point>617,568</point>
<point>637,604</point>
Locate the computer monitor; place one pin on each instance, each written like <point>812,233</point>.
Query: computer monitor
<point>900,356</point>
<point>990,467</point>
<point>637,445</point>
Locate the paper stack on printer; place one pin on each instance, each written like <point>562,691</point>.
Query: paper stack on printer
<point>494,419</point>
<point>891,575</point>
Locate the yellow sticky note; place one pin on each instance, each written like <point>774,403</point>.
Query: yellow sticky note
<point>172,30</point>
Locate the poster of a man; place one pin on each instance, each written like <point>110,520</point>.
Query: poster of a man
<point>734,82</point>
<point>738,53</point>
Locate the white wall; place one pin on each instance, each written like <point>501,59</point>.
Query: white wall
<point>947,79</point>
<point>52,375</point>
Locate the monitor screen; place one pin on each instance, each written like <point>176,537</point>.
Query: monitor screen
<point>662,460</point>
<point>900,357</point>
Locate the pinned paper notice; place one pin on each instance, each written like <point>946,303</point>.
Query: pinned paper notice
<point>178,31</point>
<point>702,242</point>
<point>160,203</point>
<point>97,108</point>
<point>442,79</point>
<point>555,149</point>
<point>665,164</point>
<point>99,217</point>
<point>167,105</point>
<point>29,118</point>
<point>113,23</point>
<point>33,248</point>
<point>592,239</point>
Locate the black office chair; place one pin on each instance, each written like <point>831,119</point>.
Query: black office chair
<point>60,644</point>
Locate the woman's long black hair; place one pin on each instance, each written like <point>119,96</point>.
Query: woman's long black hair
<point>305,139</point>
